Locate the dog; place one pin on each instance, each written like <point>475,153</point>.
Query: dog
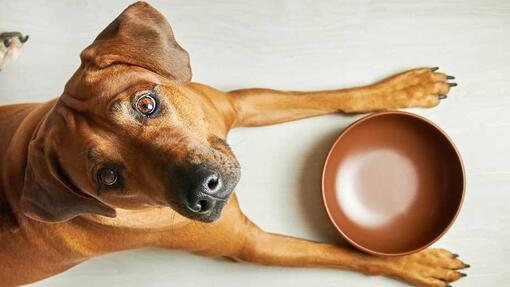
<point>133,154</point>
<point>10,47</point>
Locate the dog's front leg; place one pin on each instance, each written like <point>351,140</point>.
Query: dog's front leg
<point>422,87</point>
<point>430,268</point>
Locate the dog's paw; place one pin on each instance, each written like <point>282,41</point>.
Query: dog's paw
<point>428,268</point>
<point>423,87</point>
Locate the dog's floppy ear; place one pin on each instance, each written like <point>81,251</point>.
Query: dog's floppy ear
<point>140,36</point>
<point>48,195</point>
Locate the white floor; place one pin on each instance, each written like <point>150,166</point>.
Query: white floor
<point>303,45</point>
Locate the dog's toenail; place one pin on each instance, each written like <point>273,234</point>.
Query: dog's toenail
<point>452,84</point>
<point>450,77</point>
<point>455,255</point>
<point>442,97</point>
<point>462,274</point>
<point>467,265</point>
<point>434,69</point>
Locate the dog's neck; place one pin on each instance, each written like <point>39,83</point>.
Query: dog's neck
<point>148,219</point>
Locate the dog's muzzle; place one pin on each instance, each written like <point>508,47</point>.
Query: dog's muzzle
<point>203,191</point>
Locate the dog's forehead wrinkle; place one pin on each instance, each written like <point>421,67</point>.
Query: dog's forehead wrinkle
<point>91,83</point>
<point>73,103</point>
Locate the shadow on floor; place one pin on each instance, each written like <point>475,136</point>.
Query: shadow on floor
<point>310,191</point>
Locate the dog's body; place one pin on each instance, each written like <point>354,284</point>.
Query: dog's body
<point>163,177</point>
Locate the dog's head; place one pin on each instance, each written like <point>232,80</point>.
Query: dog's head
<point>129,133</point>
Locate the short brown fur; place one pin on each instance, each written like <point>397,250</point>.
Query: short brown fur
<point>52,216</point>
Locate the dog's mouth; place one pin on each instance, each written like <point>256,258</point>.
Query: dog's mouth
<point>203,188</point>
<point>206,210</point>
<point>202,207</point>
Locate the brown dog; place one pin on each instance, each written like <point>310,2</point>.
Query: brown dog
<point>133,154</point>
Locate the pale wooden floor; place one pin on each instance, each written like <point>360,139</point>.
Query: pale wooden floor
<point>303,45</point>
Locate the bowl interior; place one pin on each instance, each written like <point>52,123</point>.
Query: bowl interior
<point>393,183</point>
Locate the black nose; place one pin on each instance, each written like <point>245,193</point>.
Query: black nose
<point>201,206</point>
<point>207,180</point>
<point>205,184</point>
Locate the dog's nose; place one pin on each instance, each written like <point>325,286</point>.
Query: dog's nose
<point>207,180</point>
<point>204,205</point>
<point>205,184</point>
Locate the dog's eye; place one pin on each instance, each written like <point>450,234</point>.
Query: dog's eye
<point>107,176</point>
<point>7,43</point>
<point>146,104</point>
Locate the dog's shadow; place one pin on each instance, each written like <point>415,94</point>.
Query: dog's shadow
<point>310,191</point>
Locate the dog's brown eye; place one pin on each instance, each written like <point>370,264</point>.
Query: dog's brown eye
<point>107,176</point>
<point>146,105</point>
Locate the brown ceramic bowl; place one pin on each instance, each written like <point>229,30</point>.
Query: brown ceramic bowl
<point>393,183</point>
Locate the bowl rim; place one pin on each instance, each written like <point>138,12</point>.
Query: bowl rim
<point>386,113</point>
